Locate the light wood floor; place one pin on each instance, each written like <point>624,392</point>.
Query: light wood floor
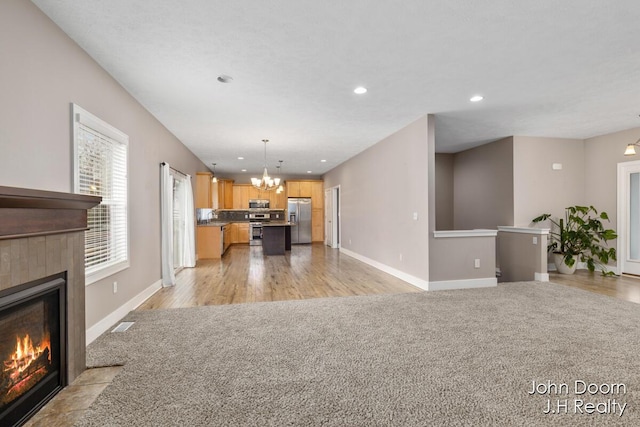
<point>623,287</point>
<point>314,271</point>
<point>245,275</point>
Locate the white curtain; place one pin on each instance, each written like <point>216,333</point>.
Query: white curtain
<point>189,251</point>
<point>166,218</point>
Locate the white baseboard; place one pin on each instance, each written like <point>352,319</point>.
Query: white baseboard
<point>103,325</point>
<point>541,277</point>
<point>415,281</point>
<point>463,284</point>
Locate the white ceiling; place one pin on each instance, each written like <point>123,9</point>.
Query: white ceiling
<point>546,68</point>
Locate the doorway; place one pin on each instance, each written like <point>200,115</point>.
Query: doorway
<point>629,217</point>
<point>332,216</point>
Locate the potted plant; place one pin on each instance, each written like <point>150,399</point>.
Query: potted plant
<point>580,236</point>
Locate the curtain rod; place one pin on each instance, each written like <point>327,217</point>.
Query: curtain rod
<point>176,170</point>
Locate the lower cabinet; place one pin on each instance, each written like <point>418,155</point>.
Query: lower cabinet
<point>209,242</point>
<point>213,241</point>
<point>242,232</point>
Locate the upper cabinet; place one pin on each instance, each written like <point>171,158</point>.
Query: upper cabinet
<point>213,195</point>
<point>308,188</point>
<point>241,196</point>
<point>203,190</point>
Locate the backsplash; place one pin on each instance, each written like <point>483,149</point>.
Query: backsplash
<point>204,216</point>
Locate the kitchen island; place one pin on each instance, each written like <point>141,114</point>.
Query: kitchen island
<point>276,237</point>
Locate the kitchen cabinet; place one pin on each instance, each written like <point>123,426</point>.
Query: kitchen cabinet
<point>228,194</point>
<point>317,194</point>
<point>317,225</point>
<point>209,242</point>
<point>293,189</point>
<point>242,232</point>
<point>300,188</point>
<point>203,190</point>
<point>241,196</point>
<point>278,201</point>
<point>222,194</point>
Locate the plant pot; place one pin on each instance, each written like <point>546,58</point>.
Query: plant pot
<point>558,260</point>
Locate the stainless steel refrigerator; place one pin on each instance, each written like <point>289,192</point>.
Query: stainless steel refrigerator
<point>300,214</point>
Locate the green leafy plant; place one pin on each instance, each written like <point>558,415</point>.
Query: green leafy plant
<point>582,235</point>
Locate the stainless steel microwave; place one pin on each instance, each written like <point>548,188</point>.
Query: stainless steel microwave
<point>258,204</point>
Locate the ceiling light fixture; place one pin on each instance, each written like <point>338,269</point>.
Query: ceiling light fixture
<point>308,171</point>
<point>476,98</point>
<point>244,170</point>
<point>631,148</point>
<point>213,176</point>
<point>265,183</point>
<point>223,78</point>
<point>323,161</point>
<point>240,158</point>
<point>360,90</point>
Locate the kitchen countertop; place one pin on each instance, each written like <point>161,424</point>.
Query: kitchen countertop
<point>277,224</point>
<point>215,223</point>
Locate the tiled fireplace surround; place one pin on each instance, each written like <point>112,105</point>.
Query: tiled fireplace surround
<point>41,234</point>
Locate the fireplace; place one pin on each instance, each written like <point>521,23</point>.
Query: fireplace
<point>32,347</point>
<point>42,297</point>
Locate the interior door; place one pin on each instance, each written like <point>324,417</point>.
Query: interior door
<point>328,209</point>
<point>629,217</point>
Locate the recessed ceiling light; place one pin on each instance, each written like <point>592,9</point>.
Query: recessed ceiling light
<point>360,90</point>
<point>308,171</point>
<point>223,78</point>
<point>244,170</point>
<point>323,161</point>
<point>476,98</point>
<point>240,158</point>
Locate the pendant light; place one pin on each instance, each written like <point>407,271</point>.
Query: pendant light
<point>280,187</point>
<point>213,177</point>
<point>266,182</point>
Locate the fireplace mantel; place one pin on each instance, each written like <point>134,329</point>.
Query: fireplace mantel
<point>26,212</point>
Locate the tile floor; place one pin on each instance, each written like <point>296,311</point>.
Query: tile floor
<point>69,405</point>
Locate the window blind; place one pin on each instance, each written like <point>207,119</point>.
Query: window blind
<point>102,171</point>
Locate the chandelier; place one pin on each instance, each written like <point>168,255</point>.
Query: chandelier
<point>266,182</point>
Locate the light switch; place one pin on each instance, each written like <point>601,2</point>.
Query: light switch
<point>535,240</point>
<point>415,216</point>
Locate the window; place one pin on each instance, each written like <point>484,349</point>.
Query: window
<point>100,169</point>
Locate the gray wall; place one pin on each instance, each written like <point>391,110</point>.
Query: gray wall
<point>380,189</point>
<point>444,191</point>
<point>42,72</point>
<point>519,258</point>
<point>602,155</point>
<point>540,189</point>
<point>483,186</point>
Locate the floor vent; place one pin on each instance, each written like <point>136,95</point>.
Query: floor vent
<point>123,326</point>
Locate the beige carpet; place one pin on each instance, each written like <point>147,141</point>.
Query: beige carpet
<point>465,357</point>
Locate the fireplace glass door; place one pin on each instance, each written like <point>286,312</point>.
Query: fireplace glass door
<point>31,353</point>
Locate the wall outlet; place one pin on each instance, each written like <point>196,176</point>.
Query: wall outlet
<point>115,287</point>
<point>476,263</point>
<point>535,240</point>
